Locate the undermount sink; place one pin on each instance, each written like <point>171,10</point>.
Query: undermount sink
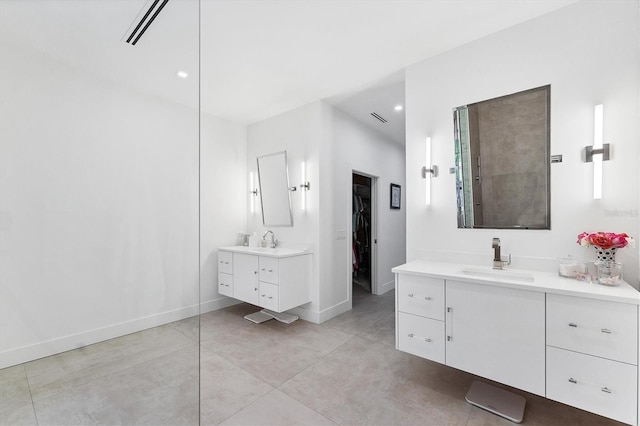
<point>504,274</point>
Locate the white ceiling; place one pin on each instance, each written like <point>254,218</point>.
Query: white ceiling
<point>260,58</point>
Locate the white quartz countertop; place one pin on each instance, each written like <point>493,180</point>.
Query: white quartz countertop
<point>546,282</point>
<point>266,251</point>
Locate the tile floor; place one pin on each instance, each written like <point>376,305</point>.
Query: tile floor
<point>343,372</point>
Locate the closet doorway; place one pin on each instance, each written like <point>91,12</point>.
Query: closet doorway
<point>363,234</point>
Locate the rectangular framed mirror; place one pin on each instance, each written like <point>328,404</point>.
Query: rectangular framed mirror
<point>503,162</point>
<point>275,199</point>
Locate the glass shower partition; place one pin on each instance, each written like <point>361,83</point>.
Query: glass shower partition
<point>99,212</point>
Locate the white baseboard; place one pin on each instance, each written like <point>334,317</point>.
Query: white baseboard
<point>74,341</point>
<point>214,305</point>
<point>382,289</point>
<point>318,317</point>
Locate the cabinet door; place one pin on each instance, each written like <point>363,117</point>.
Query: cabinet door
<point>421,336</point>
<point>268,269</point>
<point>269,296</point>
<point>594,384</point>
<point>594,327</point>
<point>422,296</point>
<point>497,333</point>
<point>245,278</point>
<point>225,284</point>
<point>225,262</point>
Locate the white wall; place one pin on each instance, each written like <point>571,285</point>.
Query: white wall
<point>332,144</point>
<point>99,207</point>
<point>223,199</point>
<point>588,52</point>
<point>358,148</point>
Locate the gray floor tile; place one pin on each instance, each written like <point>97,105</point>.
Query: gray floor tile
<point>223,321</point>
<point>14,389</point>
<point>225,388</point>
<point>162,391</point>
<point>368,383</point>
<point>68,370</point>
<point>274,351</point>
<point>276,408</point>
<point>21,416</point>
<point>367,310</point>
<point>382,331</point>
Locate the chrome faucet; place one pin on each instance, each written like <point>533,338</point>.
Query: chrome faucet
<point>273,242</point>
<point>497,260</point>
<point>498,263</point>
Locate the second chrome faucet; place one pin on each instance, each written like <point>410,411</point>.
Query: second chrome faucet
<point>498,263</point>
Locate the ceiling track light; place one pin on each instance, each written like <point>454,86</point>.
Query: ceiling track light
<point>146,21</point>
<point>379,117</point>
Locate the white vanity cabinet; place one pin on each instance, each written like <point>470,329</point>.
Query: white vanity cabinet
<point>497,333</point>
<point>569,341</point>
<point>592,355</point>
<point>277,280</point>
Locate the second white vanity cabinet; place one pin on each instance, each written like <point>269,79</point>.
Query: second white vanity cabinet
<point>275,279</point>
<point>569,341</point>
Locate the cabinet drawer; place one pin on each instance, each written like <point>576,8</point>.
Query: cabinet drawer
<point>269,296</point>
<point>420,336</point>
<point>601,386</point>
<point>269,269</point>
<point>421,296</point>
<point>225,262</point>
<point>594,327</point>
<point>225,284</point>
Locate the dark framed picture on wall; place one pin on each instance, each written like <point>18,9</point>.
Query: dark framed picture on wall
<point>395,196</point>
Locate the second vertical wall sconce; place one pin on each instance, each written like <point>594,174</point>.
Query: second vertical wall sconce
<point>304,186</point>
<point>597,153</point>
<point>428,171</point>
<point>254,193</point>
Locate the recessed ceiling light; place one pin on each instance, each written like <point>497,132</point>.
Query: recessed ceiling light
<point>398,108</point>
<point>182,74</point>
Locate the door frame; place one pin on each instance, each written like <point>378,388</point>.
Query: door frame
<point>373,252</point>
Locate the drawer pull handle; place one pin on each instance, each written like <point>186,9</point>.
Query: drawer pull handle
<point>606,331</point>
<point>572,380</point>
<point>410,294</point>
<point>606,390</point>
<point>270,270</point>
<point>573,324</point>
<point>427,298</point>
<point>426,339</point>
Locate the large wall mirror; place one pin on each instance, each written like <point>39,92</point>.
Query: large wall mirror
<point>502,161</point>
<point>274,189</point>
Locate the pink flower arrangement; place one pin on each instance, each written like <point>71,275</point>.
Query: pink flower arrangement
<point>605,240</point>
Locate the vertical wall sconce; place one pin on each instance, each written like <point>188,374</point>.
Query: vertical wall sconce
<point>429,171</point>
<point>597,153</point>
<point>304,186</point>
<point>253,191</point>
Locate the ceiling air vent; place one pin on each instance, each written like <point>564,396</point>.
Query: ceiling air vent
<point>379,117</point>
<point>148,18</point>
